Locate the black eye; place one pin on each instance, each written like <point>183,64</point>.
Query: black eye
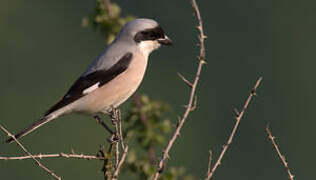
<point>159,32</point>
<point>149,34</point>
<point>154,35</point>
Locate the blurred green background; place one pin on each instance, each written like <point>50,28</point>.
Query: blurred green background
<point>43,48</point>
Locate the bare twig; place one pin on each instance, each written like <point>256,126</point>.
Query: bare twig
<point>238,116</point>
<point>185,80</point>
<point>283,160</point>
<point>121,135</point>
<point>117,123</point>
<point>29,154</point>
<point>201,60</point>
<point>62,155</point>
<point>117,154</point>
<point>117,169</point>
<point>116,120</point>
<point>209,166</point>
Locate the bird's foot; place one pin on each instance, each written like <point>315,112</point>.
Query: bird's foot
<point>115,115</point>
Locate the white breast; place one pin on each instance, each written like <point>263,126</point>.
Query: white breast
<point>115,92</point>
<point>146,47</point>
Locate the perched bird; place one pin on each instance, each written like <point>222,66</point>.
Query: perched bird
<point>112,77</point>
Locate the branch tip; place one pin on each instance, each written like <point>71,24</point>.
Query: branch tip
<point>238,115</point>
<point>282,157</point>
<point>192,99</point>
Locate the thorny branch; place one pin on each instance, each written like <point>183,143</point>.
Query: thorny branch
<point>238,116</point>
<point>62,155</point>
<point>209,166</point>
<point>116,120</point>
<point>29,154</point>
<point>201,60</point>
<point>285,164</point>
<point>117,169</point>
<point>118,139</point>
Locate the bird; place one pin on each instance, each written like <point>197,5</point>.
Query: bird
<point>112,77</point>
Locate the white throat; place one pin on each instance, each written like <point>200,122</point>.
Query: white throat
<point>146,47</point>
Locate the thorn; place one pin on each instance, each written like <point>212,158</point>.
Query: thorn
<point>185,80</point>
<point>273,137</point>
<point>236,112</point>
<point>194,104</point>
<point>199,27</point>
<point>253,92</point>
<point>201,59</point>
<point>179,120</point>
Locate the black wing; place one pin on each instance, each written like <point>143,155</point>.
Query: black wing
<point>102,77</point>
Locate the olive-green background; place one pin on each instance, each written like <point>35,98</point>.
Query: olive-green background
<point>43,48</point>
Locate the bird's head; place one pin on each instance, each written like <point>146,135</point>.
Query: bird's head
<point>146,33</point>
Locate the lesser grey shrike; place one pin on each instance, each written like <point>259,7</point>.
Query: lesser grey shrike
<point>112,77</point>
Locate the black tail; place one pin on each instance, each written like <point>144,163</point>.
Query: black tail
<point>31,128</point>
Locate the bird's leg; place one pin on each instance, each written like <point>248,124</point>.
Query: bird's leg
<point>115,116</point>
<point>99,120</point>
<point>116,138</point>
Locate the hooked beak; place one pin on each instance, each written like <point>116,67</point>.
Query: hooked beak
<point>165,41</point>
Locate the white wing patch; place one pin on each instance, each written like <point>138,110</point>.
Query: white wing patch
<point>91,88</point>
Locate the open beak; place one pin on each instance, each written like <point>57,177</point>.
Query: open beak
<point>165,41</point>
